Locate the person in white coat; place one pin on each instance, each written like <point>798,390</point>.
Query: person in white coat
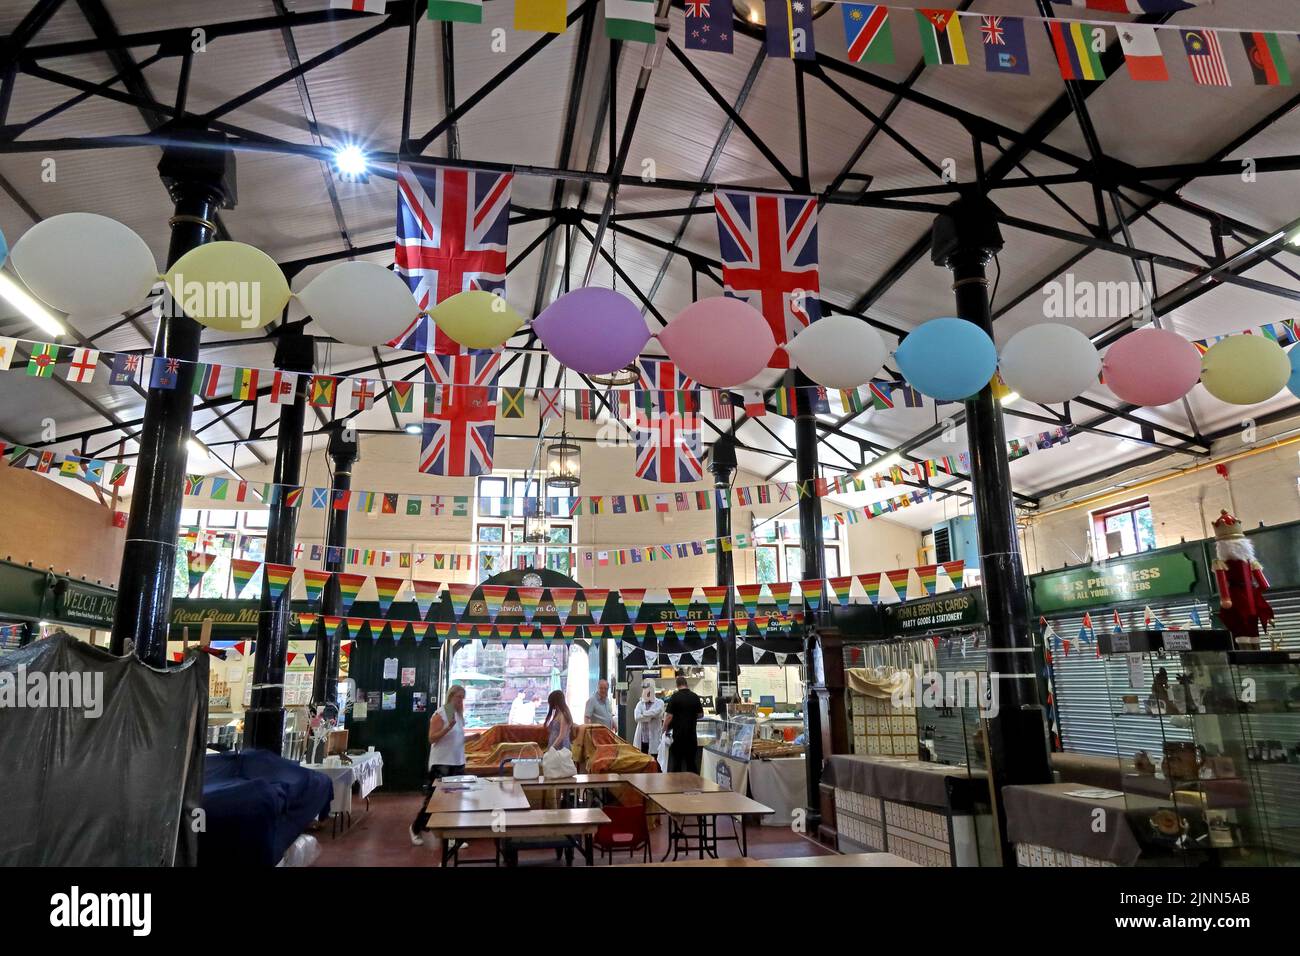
<point>649,716</point>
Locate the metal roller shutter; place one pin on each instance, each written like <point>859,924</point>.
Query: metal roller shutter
<point>1088,688</point>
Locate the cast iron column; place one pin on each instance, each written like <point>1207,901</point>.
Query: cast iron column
<point>264,719</point>
<point>810,537</point>
<point>722,463</point>
<point>343,451</point>
<point>200,181</point>
<point>964,239</point>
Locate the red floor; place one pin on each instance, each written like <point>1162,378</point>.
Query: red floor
<point>379,837</point>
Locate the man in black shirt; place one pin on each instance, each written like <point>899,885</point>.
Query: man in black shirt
<point>681,712</point>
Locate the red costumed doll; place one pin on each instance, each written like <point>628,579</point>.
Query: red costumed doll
<point>1241,582</point>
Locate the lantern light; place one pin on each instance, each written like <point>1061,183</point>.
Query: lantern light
<point>563,463</point>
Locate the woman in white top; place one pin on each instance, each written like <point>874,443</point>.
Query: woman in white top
<point>446,751</point>
<point>649,716</point>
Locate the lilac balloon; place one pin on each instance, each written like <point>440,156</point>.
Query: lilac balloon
<point>592,330</point>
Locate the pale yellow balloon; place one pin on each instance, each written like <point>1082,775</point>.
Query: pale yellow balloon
<point>476,319</point>
<point>1245,369</point>
<point>230,286</point>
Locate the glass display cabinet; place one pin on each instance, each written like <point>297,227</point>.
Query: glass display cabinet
<point>1208,744</point>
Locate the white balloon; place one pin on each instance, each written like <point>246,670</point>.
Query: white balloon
<point>360,303</point>
<point>84,264</point>
<point>1049,363</point>
<point>838,351</point>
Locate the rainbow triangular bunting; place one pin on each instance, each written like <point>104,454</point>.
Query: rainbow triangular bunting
<point>529,600</point>
<point>871,585</point>
<point>780,592</point>
<point>460,595</point>
<point>595,599</point>
<point>717,599</point>
<point>242,571</point>
<point>278,577</point>
<point>349,587</point>
<point>749,595</point>
<point>426,592</point>
<point>842,588</point>
<point>197,562</point>
<point>633,598</point>
<point>314,582</point>
<point>811,590</point>
<point>681,601</point>
<point>929,575</point>
<point>494,595</point>
<point>563,599</point>
<point>388,589</point>
<point>899,581</point>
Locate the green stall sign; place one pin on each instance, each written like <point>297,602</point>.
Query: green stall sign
<point>1148,577</point>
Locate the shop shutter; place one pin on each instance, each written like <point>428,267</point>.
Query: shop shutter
<point>1089,688</point>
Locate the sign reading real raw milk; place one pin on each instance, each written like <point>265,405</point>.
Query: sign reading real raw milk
<point>1138,578</point>
<point>954,609</point>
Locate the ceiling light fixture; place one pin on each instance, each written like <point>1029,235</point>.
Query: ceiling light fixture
<point>413,428</point>
<point>23,301</point>
<point>351,165</point>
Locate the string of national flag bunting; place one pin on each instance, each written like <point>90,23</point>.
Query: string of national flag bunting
<point>1077,44</point>
<point>217,488</point>
<point>879,587</point>
<point>1052,639</point>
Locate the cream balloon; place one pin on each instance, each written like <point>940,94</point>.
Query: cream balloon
<point>360,303</point>
<point>230,286</point>
<point>1049,363</point>
<point>476,319</point>
<point>1245,369</point>
<point>838,351</point>
<point>84,264</point>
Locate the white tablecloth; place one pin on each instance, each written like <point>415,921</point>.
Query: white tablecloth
<point>780,783</point>
<point>366,771</point>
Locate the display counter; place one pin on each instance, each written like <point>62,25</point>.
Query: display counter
<point>782,784</point>
<point>933,814</point>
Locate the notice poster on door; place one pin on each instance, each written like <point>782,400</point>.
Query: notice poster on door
<point>408,676</point>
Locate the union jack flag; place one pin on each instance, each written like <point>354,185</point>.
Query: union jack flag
<point>460,414</point>
<point>668,444</point>
<point>769,259</point>
<point>451,236</point>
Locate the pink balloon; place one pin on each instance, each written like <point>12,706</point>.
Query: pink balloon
<point>1151,367</point>
<point>719,342</point>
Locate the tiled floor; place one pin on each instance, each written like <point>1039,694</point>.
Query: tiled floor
<point>379,838</point>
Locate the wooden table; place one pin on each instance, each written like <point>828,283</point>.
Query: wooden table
<point>484,796</point>
<point>652,784</point>
<point>498,825</point>
<point>705,808</point>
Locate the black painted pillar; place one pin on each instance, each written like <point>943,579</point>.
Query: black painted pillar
<point>964,239</point>
<point>343,452</point>
<point>722,463</point>
<point>264,720</point>
<point>810,537</point>
<point>200,181</point>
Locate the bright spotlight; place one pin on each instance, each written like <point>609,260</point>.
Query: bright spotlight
<point>413,429</point>
<point>351,165</point>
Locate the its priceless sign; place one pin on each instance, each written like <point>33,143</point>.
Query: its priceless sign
<point>1139,578</point>
<point>954,609</point>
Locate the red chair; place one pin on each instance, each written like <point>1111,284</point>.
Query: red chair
<point>626,830</point>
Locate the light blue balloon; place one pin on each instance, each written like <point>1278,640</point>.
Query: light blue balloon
<point>948,359</point>
<point>1293,382</point>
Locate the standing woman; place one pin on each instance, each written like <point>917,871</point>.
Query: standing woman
<point>446,751</point>
<point>649,720</point>
<point>559,722</point>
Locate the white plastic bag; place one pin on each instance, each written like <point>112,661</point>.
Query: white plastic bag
<point>304,851</point>
<point>557,764</point>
